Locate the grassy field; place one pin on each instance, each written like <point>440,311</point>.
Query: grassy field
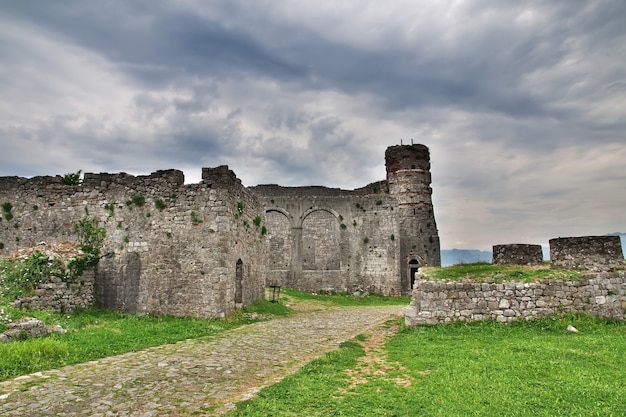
<point>480,369</point>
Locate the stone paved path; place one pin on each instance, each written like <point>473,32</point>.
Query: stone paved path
<point>195,377</point>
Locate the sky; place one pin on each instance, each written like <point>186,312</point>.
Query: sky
<point>522,104</point>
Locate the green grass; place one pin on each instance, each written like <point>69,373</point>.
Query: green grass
<point>487,272</point>
<point>94,334</point>
<point>344,299</point>
<point>265,307</point>
<point>313,391</point>
<point>480,369</point>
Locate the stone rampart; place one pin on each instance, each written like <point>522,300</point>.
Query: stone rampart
<point>517,254</point>
<point>601,294</point>
<point>591,253</point>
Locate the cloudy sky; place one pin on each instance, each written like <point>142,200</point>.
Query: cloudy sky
<point>523,104</point>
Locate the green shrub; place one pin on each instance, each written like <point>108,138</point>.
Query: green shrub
<point>257,221</point>
<point>72,178</point>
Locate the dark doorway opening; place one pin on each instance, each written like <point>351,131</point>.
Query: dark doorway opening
<point>414,266</point>
<point>239,282</point>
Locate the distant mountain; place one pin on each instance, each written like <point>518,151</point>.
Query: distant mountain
<point>463,256</point>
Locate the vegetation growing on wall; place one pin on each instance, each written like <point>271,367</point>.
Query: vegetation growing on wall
<point>6,210</point>
<point>159,204</point>
<point>138,200</point>
<point>90,239</point>
<point>73,178</point>
<point>23,276</point>
<point>194,219</point>
<point>111,209</point>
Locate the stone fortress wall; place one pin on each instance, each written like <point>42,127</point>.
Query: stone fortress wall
<point>199,254</point>
<point>204,249</point>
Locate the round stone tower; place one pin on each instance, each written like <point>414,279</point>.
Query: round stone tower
<point>408,176</point>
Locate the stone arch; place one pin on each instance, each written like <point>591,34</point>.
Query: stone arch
<point>280,210</point>
<point>314,209</point>
<point>321,239</point>
<point>239,282</point>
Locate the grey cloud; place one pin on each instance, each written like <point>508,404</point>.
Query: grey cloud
<point>510,96</point>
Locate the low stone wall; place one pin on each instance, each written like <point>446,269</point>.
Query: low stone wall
<point>60,296</point>
<point>517,254</point>
<point>601,294</point>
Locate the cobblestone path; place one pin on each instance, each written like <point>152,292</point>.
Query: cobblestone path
<point>196,377</point>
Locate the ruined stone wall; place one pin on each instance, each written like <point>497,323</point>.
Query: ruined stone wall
<point>591,253</point>
<point>324,239</point>
<point>601,294</point>
<point>60,296</point>
<point>174,247</point>
<point>517,254</point>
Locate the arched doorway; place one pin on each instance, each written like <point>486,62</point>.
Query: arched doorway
<point>239,282</point>
<point>414,266</point>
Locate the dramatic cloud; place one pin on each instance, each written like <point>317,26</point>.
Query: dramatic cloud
<point>523,104</point>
